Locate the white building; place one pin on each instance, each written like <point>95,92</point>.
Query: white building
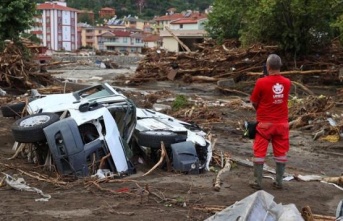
<point>189,29</point>
<point>58,27</point>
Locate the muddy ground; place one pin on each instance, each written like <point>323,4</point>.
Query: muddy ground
<point>174,196</point>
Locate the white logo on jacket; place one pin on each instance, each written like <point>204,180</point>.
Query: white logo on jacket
<point>278,88</point>
<point>278,93</point>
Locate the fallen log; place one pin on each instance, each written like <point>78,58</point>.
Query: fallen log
<point>236,72</point>
<point>308,215</point>
<point>204,79</point>
<point>335,180</point>
<point>303,87</point>
<point>178,40</point>
<point>196,70</point>
<point>226,168</point>
<point>294,72</point>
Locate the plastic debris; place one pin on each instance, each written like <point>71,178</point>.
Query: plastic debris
<point>20,184</point>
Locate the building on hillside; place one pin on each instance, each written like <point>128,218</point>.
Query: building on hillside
<point>79,37</point>
<point>152,41</point>
<point>149,28</point>
<point>188,37</point>
<point>89,35</point>
<point>107,12</point>
<point>116,24</point>
<point>134,22</point>
<point>194,22</point>
<point>128,23</point>
<point>57,26</point>
<point>164,21</point>
<point>120,41</point>
<point>36,29</point>
<point>189,29</point>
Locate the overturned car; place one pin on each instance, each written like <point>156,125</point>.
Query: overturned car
<point>98,127</point>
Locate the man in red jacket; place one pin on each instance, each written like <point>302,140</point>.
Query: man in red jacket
<point>270,99</point>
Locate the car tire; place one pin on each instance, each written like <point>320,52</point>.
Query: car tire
<point>153,139</point>
<point>29,129</point>
<point>13,110</point>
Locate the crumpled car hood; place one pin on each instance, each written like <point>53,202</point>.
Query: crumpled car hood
<point>52,103</point>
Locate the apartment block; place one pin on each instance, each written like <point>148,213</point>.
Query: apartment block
<point>57,26</point>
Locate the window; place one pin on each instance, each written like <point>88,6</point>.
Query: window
<point>138,40</point>
<point>181,26</point>
<point>125,40</point>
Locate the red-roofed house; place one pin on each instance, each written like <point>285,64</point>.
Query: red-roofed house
<point>107,12</point>
<point>163,21</point>
<point>58,26</point>
<point>89,35</point>
<point>189,29</point>
<point>121,41</point>
<point>193,22</point>
<point>152,41</point>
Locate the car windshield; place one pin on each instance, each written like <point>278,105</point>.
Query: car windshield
<point>93,92</point>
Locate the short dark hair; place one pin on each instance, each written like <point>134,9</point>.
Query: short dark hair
<point>274,62</point>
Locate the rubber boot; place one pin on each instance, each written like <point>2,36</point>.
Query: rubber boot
<point>258,172</point>
<point>280,170</point>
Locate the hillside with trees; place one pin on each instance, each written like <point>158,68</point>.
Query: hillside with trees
<point>145,9</point>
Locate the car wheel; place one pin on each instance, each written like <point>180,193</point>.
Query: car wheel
<point>29,129</point>
<point>13,110</point>
<point>153,138</point>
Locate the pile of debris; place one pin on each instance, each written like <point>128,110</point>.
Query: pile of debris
<point>19,69</point>
<point>212,62</point>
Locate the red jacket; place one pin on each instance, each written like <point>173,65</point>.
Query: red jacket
<point>271,98</point>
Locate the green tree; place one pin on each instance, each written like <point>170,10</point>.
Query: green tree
<point>298,26</point>
<point>15,17</point>
<point>226,19</point>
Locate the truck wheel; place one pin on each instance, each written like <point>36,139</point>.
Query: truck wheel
<point>29,129</point>
<point>153,138</point>
<point>13,110</point>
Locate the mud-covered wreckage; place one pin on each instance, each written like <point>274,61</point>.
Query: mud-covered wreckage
<point>99,124</point>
